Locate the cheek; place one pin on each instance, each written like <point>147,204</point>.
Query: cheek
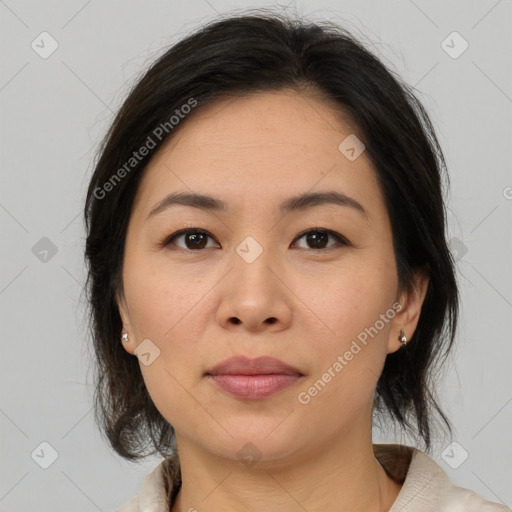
<point>348,358</point>
<point>170,310</point>
<point>161,299</point>
<point>353,309</point>
<point>346,300</point>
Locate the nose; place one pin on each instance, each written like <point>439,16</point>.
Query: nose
<point>253,296</point>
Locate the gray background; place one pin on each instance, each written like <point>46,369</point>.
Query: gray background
<point>54,111</point>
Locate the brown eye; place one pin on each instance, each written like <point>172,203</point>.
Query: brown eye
<point>195,240</point>
<point>318,239</point>
<point>192,239</point>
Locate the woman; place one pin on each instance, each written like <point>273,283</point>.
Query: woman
<point>269,274</point>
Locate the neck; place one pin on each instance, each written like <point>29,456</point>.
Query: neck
<point>340,476</point>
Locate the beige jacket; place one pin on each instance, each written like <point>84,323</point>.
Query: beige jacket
<point>426,487</point>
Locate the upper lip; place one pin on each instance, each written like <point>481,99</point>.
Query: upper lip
<point>241,365</point>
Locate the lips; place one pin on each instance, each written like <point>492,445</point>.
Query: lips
<point>253,379</point>
<point>240,365</point>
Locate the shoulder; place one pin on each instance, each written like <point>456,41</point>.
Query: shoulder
<point>458,499</point>
<point>132,505</point>
<point>425,485</point>
<point>151,496</point>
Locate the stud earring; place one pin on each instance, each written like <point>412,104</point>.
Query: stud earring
<point>124,337</point>
<point>402,338</point>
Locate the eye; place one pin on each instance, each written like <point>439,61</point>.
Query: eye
<point>193,239</point>
<point>318,238</point>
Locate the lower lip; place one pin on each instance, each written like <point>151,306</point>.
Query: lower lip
<point>254,387</point>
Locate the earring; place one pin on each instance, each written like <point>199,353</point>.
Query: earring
<point>402,338</point>
<point>124,337</point>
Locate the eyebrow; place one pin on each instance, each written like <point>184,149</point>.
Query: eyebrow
<point>292,204</point>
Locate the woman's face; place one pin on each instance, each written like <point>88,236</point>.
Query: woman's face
<point>266,276</point>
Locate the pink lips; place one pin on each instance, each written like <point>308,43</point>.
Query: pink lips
<point>253,379</point>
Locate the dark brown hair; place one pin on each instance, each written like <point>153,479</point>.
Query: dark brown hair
<point>259,52</point>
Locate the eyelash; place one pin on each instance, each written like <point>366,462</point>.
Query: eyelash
<point>341,240</point>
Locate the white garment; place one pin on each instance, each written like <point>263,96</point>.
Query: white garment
<point>426,488</point>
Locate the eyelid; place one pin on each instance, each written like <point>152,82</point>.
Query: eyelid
<point>341,240</point>
<point>168,239</point>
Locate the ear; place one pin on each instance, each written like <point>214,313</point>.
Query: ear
<point>408,316</point>
<point>128,345</point>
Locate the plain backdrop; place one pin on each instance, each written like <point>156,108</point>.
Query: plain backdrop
<point>65,69</point>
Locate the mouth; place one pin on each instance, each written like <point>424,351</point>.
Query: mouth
<point>253,379</point>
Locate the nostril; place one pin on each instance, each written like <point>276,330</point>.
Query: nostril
<point>271,320</point>
<point>235,320</point>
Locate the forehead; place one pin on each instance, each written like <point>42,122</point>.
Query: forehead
<point>271,119</point>
<point>267,146</point>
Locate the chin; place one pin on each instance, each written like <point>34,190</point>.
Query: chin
<point>253,440</point>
